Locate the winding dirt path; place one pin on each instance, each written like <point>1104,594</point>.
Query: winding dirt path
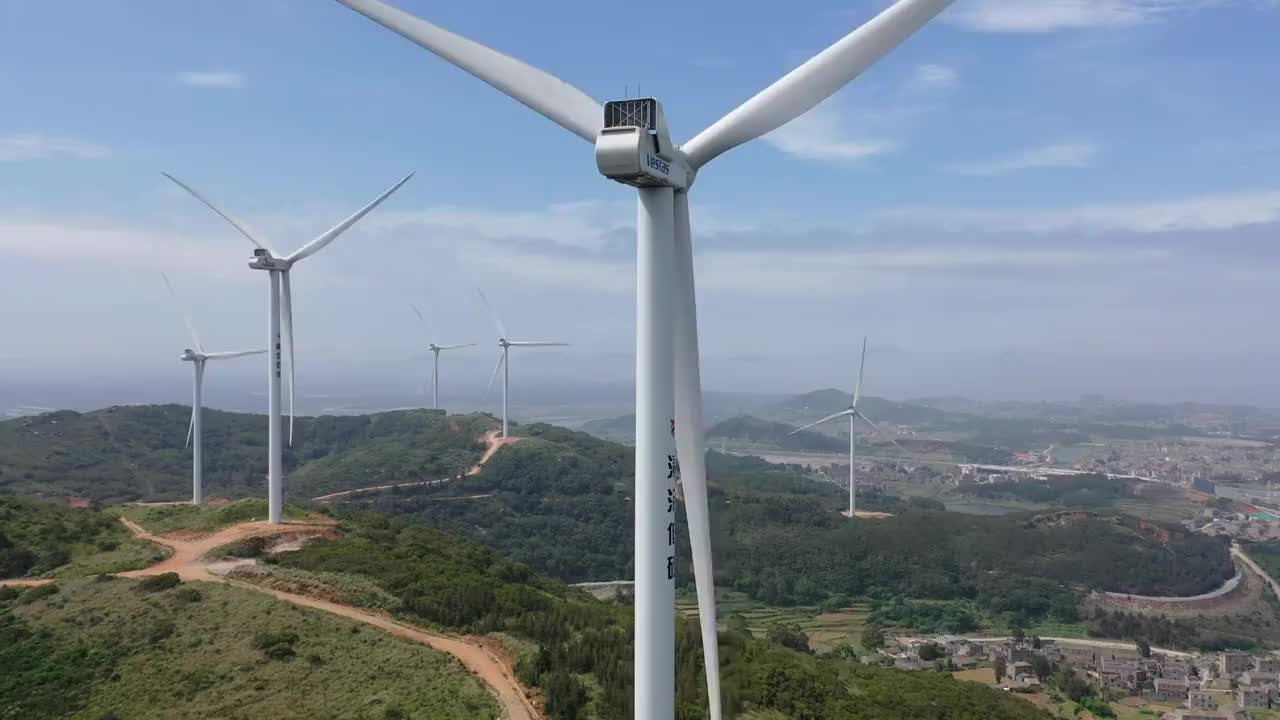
<point>25,583</point>
<point>188,562</point>
<point>492,444</point>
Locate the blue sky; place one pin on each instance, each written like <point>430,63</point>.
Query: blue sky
<point>1026,199</point>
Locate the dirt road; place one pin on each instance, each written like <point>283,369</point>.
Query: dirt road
<point>492,444</point>
<point>189,563</point>
<point>1237,551</point>
<point>25,583</point>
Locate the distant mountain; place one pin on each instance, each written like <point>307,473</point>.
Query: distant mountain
<point>804,409</point>
<point>746,428</point>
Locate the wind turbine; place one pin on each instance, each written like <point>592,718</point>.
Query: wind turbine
<point>633,146</point>
<point>436,350</point>
<point>504,363</point>
<point>853,413</point>
<point>280,313</point>
<point>195,429</point>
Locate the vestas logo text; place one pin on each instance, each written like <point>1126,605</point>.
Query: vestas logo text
<point>657,163</point>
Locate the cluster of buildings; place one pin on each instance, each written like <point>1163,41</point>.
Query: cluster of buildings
<point>1213,686</point>
<point>1242,523</point>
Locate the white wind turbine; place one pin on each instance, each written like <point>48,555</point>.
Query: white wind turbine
<point>853,413</point>
<point>504,361</point>
<point>436,350</point>
<point>280,312</point>
<point>195,429</point>
<point>633,146</point>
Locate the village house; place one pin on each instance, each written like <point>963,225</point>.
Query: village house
<point>1232,664</point>
<point>1171,691</point>
<point>1267,664</point>
<point>1202,700</point>
<point>1253,698</point>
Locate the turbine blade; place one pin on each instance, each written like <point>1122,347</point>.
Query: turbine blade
<point>496,368</point>
<point>236,223</point>
<point>818,79</point>
<point>192,424</point>
<point>329,236</point>
<point>879,432</point>
<point>236,354</point>
<point>691,448</point>
<point>545,94</point>
<point>286,329</point>
<point>497,322</point>
<point>456,347</point>
<point>431,330</point>
<point>186,316</point>
<point>538,344</point>
<point>828,418</point>
<point>857,390</point>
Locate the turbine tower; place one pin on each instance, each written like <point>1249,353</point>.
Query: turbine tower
<point>280,313</point>
<point>195,429</point>
<point>436,350</point>
<point>504,363</point>
<point>853,413</point>
<point>633,146</point>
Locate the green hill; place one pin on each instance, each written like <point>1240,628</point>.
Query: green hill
<point>746,428</point>
<point>136,452</point>
<point>98,650</point>
<point>112,648</point>
<point>559,502</point>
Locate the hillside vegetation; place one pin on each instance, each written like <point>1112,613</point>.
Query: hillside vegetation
<point>134,453</point>
<point>40,538</point>
<point>582,652</point>
<point>95,650</point>
<point>559,502</point>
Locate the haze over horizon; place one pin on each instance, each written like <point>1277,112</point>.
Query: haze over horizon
<point>1022,203</point>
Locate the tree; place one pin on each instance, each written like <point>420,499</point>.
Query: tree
<point>931,651</point>
<point>1019,632</point>
<point>1041,667</point>
<point>1035,642</point>
<point>789,635</point>
<point>872,637</point>
<point>1144,648</point>
<point>1000,667</point>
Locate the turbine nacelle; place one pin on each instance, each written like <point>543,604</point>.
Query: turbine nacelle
<point>189,355</point>
<point>264,260</point>
<point>634,147</point>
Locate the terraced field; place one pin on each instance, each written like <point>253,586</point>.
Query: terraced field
<point>826,630</point>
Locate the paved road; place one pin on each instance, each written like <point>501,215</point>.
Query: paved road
<point>1093,643</point>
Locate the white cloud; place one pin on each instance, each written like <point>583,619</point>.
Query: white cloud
<point>577,225</point>
<point>1226,211</point>
<point>933,76</point>
<point>218,79</point>
<point>39,146</point>
<point>821,135</point>
<point>1038,16</point>
<point>105,245</point>
<point>1077,154</point>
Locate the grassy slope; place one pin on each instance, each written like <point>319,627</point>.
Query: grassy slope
<point>46,538</point>
<point>106,649</point>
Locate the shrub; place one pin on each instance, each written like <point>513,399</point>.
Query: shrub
<point>187,595</point>
<point>38,592</point>
<point>276,646</point>
<point>158,583</point>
